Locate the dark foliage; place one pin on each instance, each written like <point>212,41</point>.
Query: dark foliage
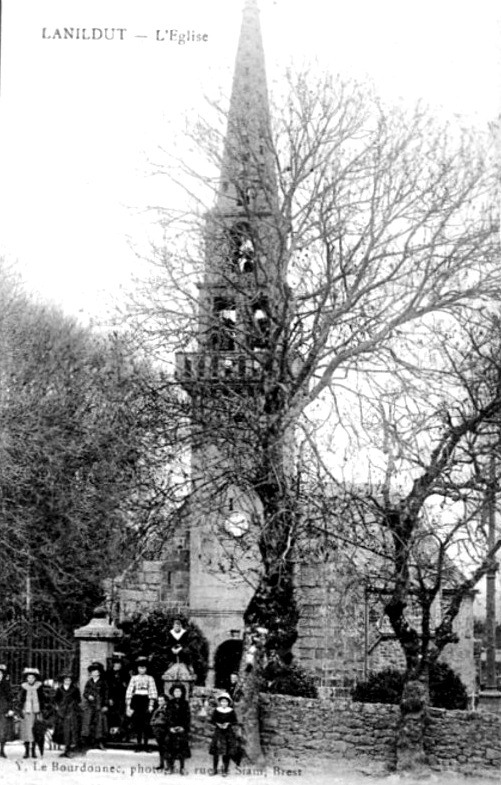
<point>146,634</point>
<point>447,691</point>
<point>288,679</point>
<point>382,687</point>
<point>71,462</point>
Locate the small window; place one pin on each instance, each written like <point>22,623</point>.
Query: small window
<point>242,251</point>
<point>260,323</point>
<point>225,322</point>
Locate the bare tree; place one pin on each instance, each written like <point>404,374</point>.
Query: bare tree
<point>417,530</point>
<point>335,237</point>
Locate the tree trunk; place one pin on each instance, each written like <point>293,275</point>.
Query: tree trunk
<point>247,703</point>
<point>271,630</point>
<point>411,730</point>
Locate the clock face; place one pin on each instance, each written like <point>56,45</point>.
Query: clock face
<point>236,523</point>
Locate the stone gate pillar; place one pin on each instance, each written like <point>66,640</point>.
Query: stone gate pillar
<point>97,641</point>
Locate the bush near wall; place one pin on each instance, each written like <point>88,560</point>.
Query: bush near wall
<point>447,691</point>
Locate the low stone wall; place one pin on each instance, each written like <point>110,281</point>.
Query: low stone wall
<point>299,727</point>
<point>302,728</point>
<point>464,740</point>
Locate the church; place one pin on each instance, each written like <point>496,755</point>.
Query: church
<point>206,572</point>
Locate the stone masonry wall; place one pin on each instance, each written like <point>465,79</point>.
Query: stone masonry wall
<point>343,635</point>
<point>155,584</point>
<point>302,728</point>
<point>331,627</point>
<point>464,740</point>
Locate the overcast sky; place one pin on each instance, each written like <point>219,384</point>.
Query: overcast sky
<point>80,118</point>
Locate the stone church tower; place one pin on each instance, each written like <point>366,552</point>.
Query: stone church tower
<point>220,375</point>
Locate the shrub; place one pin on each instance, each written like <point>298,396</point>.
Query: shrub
<point>288,679</point>
<point>447,691</point>
<point>382,687</point>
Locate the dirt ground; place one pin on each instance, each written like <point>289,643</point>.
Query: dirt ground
<point>113,767</point>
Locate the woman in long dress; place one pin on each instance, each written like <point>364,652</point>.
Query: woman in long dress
<point>67,705</point>
<point>31,705</point>
<point>95,707</point>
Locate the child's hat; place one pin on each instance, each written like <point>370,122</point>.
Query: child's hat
<point>34,671</point>
<point>96,666</point>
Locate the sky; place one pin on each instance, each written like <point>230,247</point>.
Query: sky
<point>81,119</point>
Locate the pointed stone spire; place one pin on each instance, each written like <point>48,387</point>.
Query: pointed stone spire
<point>247,174</point>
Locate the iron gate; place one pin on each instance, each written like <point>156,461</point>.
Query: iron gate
<point>37,643</point>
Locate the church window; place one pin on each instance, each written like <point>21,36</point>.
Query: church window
<point>224,327</point>
<point>260,323</point>
<point>242,250</point>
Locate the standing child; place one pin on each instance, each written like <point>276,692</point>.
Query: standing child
<point>6,709</point>
<point>158,724</point>
<point>31,704</point>
<point>67,725</point>
<point>224,741</point>
<point>178,728</point>
<point>140,699</point>
<point>95,707</point>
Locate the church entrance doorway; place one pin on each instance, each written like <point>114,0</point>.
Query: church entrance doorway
<point>226,662</point>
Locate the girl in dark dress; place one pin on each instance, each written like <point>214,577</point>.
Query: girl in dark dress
<point>177,746</point>
<point>67,725</point>
<point>224,741</point>
<point>6,709</point>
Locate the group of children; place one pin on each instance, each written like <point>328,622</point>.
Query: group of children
<point>170,723</point>
<point>82,721</point>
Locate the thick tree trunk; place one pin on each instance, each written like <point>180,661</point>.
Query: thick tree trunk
<point>247,700</point>
<point>414,716</point>
<point>271,631</point>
